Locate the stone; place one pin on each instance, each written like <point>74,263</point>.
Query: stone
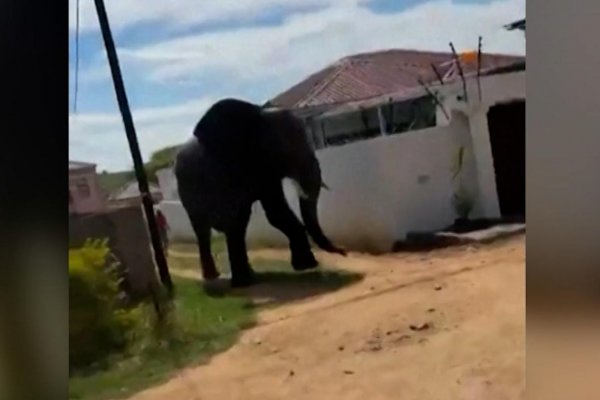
<point>420,326</point>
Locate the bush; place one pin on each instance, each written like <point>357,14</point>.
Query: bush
<point>98,322</point>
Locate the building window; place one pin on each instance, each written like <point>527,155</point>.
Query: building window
<point>83,188</point>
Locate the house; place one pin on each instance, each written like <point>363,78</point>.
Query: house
<point>85,194</point>
<point>389,77</point>
<point>129,195</point>
<point>400,156</point>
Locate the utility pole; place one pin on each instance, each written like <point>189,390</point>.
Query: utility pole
<point>138,164</point>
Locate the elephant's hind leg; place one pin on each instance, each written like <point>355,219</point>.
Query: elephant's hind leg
<point>280,215</point>
<point>203,236</point>
<point>241,271</point>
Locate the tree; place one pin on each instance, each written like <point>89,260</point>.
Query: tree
<point>162,158</point>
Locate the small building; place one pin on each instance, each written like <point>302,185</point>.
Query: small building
<point>129,195</point>
<point>85,193</point>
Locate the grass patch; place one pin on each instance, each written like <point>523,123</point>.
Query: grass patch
<point>201,326</point>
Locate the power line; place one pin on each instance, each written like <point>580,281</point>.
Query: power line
<point>76,83</point>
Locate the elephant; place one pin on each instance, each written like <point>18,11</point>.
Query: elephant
<point>240,153</point>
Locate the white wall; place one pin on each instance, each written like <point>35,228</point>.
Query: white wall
<point>181,229</point>
<point>495,89</point>
<point>385,187</point>
<point>380,190</point>
<point>167,184</point>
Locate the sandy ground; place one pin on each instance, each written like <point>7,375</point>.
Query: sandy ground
<point>466,307</point>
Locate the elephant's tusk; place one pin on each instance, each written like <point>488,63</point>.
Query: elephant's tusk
<point>324,186</point>
<point>299,189</point>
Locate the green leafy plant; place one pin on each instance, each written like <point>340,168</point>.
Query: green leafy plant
<point>99,324</point>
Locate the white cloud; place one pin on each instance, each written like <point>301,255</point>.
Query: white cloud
<point>272,56</point>
<point>100,137</point>
<point>183,13</point>
<point>308,41</point>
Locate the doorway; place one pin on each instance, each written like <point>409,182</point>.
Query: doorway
<point>506,124</point>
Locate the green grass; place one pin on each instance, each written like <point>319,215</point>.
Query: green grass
<point>201,326</point>
<point>205,321</point>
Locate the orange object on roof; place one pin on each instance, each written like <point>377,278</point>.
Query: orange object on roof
<point>468,56</point>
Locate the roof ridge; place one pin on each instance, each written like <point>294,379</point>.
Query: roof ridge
<point>341,67</point>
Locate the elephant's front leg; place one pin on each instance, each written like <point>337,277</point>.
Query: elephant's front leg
<point>280,215</point>
<point>242,274</point>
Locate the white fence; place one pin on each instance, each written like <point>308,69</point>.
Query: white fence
<point>380,189</point>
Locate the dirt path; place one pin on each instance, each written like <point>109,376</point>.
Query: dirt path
<point>358,343</point>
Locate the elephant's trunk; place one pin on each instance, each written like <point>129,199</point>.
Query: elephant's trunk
<point>308,210</point>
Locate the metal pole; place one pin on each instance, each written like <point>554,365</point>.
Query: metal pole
<point>460,71</point>
<point>140,173</point>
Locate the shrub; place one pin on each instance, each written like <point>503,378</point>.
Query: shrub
<point>98,323</point>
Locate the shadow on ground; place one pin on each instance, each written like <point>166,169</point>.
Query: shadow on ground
<point>277,283</point>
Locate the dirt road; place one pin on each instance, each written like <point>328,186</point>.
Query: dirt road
<point>448,324</point>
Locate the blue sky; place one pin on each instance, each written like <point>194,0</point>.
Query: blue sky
<point>178,57</point>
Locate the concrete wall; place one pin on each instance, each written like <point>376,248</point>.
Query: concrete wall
<point>128,239</point>
<point>380,190</point>
<point>495,89</point>
<point>82,203</point>
<point>167,184</point>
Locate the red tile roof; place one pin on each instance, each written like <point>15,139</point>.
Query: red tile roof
<point>367,75</point>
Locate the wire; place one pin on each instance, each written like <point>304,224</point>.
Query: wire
<point>76,83</point>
